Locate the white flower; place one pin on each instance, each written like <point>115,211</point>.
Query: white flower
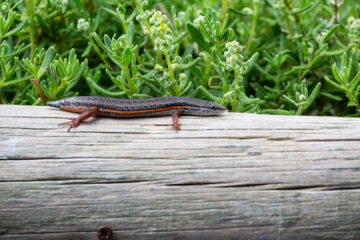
<point>234,57</point>
<point>354,26</point>
<point>203,55</point>
<point>161,31</point>
<point>247,11</point>
<point>83,25</point>
<point>4,7</point>
<point>302,98</point>
<point>182,76</point>
<point>174,66</point>
<point>159,68</point>
<point>198,20</point>
<point>139,18</point>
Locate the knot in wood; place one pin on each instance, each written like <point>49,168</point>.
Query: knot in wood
<point>104,233</point>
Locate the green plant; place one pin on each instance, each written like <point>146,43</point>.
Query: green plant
<point>344,82</point>
<point>273,56</point>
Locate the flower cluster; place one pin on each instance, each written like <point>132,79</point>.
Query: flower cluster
<point>234,57</point>
<point>182,76</point>
<point>4,7</point>
<point>198,20</point>
<point>354,25</point>
<point>248,11</point>
<point>160,30</point>
<point>174,66</point>
<point>82,25</point>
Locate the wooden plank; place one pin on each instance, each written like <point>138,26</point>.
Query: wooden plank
<point>235,176</point>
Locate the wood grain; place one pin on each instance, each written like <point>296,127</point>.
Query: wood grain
<point>235,176</point>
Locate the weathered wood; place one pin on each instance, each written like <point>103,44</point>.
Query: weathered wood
<point>236,176</point>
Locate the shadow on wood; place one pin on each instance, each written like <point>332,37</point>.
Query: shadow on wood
<point>236,176</point>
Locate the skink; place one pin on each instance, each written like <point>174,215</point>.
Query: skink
<point>90,106</point>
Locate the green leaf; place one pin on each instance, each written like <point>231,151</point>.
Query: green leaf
<point>15,30</point>
<point>87,50</point>
<point>9,21</point>
<point>102,90</point>
<point>290,100</point>
<point>305,49</point>
<point>13,82</point>
<point>43,24</point>
<point>95,24</point>
<point>321,49</point>
<point>71,66</point>
<point>100,43</point>
<point>355,82</point>
<point>303,88</point>
<point>130,33</point>
<point>301,67</point>
<point>306,9</point>
<point>336,74</point>
<point>334,84</point>
<point>205,32</point>
<point>330,33</point>
<point>245,99</point>
<point>250,63</point>
<point>331,96</point>
<point>276,112</point>
<point>197,37</point>
<point>78,4</point>
<point>188,65</point>
<point>49,56</point>
<point>108,41</point>
<point>21,49</point>
<point>126,56</point>
<point>179,38</point>
<point>313,94</point>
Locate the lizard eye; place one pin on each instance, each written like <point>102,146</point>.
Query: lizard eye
<point>213,107</point>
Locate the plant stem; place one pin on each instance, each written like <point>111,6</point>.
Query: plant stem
<point>158,53</point>
<point>207,71</point>
<point>336,9</point>
<point>299,111</point>
<point>307,70</point>
<point>129,79</point>
<point>30,6</point>
<point>39,90</point>
<point>98,52</point>
<point>138,57</point>
<point>223,11</point>
<point>253,27</point>
<point>171,73</point>
<point>289,8</point>
<point>288,23</point>
<point>123,21</point>
<point>234,101</point>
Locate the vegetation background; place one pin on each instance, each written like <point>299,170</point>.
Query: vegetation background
<point>273,56</point>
